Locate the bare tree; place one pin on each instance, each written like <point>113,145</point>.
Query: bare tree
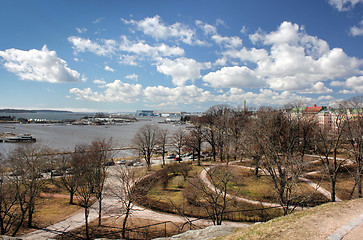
<point>215,200</point>
<point>9,216</point>
<point>164,133</point>
<point>27,164</point>
<point>146,140</point>
<point>124,189</point>
<point>353,133</point>
<point>329,143</point>
<point>99,153</point>
<point>69,166</point>
<point>85,183</point>
<point>178,140</point>
<point>282,140</point>
<point>194,141</point>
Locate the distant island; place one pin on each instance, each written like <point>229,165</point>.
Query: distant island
<point>31,111</point>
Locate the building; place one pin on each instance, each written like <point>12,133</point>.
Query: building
<point>145,113</point>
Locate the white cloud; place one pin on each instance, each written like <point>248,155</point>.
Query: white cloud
<point>207,28</point>
<point>157,29</point>
<point>100,82</point>
<point>114,92</point>
<point>81,30</point>
<point>141,48</point>
<point>344,5</point>
<point>184,94</point>
<point>162,96</point>
<point>265,97</point>
<point>83,45</point>
<point>318,87</point>
<point>182,69</point>
<point>357,30</point>
<point>133,76</point>
<point>108,47</point>
<point>355,84</point>
<point>237,77</point>
<point>39,65</point>
<point>295,61</point>
<point>130,60</point>
<point>108,68</point>
<point>230,42</point>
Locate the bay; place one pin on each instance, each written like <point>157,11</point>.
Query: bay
<point>65,137</point>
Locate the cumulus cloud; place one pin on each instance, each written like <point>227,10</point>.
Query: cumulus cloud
<point>109,47</point>
<point>116,91</point>
<point>206,28</point>
<point>81,30</point>
<point>294,60</point>
<point>182,69</point>
<point>355,84</point>
<point>165,96</point>
<point>344,5</point>
<point>155,28</point>
<point>357,30</point>
<point>265,97</point>
<point>108,68</point>
<point>133,76</point>
<point>130,60</point>
<point>241,77</point>
<point>142,48</point>
<point>229,42</point>
<point>100,82</point>
<point>184,94</point>
<point>86,45</point>
<point>39,65</point>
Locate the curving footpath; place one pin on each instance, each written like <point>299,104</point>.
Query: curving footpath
<point>323,191</point>
<point>353,230</point>
<point>110,207</point>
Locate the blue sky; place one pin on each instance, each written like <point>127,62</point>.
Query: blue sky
<point>174,55</point>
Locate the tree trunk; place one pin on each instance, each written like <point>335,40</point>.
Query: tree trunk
<point>30,215</point>
<point>333,183</point>
<point>99,212</point>
<point>360,186</point>
<point>71,197</point>
<point>124,222</point>
<point>86,212</point>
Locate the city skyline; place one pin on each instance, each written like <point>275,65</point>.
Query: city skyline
<point>123,56</point>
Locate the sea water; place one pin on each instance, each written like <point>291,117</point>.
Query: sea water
<point>65,138</point>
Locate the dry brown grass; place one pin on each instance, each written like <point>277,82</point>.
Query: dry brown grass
<point>111,228</point>
<point>312,224</point>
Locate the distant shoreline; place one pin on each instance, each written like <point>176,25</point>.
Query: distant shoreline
<point>8,110</point>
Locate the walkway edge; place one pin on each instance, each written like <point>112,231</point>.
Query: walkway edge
<point>344,230</point>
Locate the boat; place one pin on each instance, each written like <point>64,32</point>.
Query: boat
<point>22,138</point>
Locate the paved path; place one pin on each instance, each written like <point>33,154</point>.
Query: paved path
<point>323,191</point>
<point>353,230</point>
<point>111,208</point>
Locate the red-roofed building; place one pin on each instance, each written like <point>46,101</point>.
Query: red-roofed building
<point>313,110</point>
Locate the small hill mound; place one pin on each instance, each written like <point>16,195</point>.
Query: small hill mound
<point>315,223</point>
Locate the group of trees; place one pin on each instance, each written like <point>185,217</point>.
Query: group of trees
<point>274,139</point>
<point>277,141</point>
<point>82,173</point>
<point>19,189</point>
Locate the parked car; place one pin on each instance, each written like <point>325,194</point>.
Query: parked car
<point>171,156</point>
<point>179,159</point>
<point>56,173</point>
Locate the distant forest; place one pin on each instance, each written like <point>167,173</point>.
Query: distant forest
<point>31,111</point>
